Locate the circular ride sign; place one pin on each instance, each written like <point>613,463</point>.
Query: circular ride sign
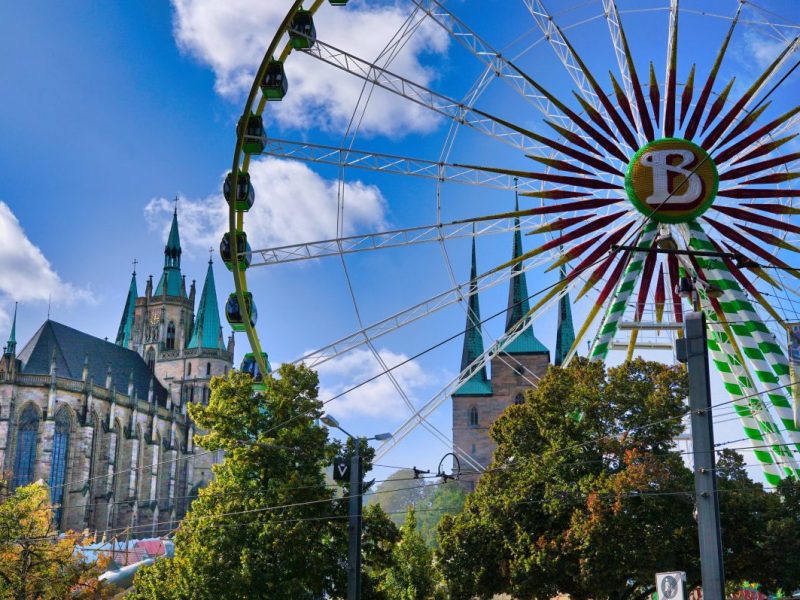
<point>672,180</point>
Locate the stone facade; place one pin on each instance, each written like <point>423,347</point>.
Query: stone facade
<point>474,414</point>
<point>120,459</point>
<point>480,400</point>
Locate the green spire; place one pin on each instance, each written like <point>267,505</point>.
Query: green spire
<point>206,332</point>
<point>171,278</point>
<point>478,384</point>
<point>126,323</point>
<point>518,302</point>
<point>565,334</point>
<point>11,346</point>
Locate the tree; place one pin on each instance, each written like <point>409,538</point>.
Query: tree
<point>399,491</point>
<point>267,526</point>
<point>35,563</point>
<point>411,574</point>
<point>586,494</point>
<point>448,499</point>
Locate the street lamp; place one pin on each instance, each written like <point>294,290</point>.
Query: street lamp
<point>355,506</point>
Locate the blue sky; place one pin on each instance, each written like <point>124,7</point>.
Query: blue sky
<point>110,110</point>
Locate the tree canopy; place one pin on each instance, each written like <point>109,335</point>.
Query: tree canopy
<point>267,526</point>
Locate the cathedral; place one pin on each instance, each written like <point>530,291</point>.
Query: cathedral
<point>481,399</point>
<point>106,424</point>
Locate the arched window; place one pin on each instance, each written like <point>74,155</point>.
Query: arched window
<point>151,359</point>
<point>58,467</point>
<point>171,336</point>
<point>188,369</point>
<point>519,399</point>
<point>25,459</point>
<point>208,369</point>
<point>191,394</point>
<point>473,416</point>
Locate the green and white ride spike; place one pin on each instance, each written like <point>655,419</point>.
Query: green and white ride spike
<point>753,413</point>
<point>759,346</point>
<point>616,309</point>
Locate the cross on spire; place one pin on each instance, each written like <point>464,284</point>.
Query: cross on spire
<point>135,262</point>
<point>176,204</point>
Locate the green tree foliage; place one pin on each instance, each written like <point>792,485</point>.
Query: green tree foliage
<point>399,491</point>
<point>267,526</point>
<point>448,499</point>
<point>410,575</point>
<point>35,564</point>
<point>581,495</point>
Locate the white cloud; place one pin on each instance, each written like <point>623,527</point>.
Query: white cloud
<point>761,50</point>
<point>293,204</point>
<point>378,398</point>
<point>232,36</point>
<point>27,275</point>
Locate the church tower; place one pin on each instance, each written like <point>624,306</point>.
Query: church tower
<point>481,400</point>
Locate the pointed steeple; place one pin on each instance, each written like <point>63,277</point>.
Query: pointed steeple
<point>565,334</point>
<point>11,345</point>
<point>206,332</point>
<point>126,323</point>
<point>518,301</point>
<point>170,282</point>
<point>479,383</point>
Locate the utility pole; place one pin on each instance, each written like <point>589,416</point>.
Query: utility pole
<point>354,527</point>
<point>693,351</point>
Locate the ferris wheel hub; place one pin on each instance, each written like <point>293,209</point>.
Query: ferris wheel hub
<point>672,180</point>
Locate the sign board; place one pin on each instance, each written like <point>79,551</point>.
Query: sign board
<point>671,586</point>
<point>341,469</point>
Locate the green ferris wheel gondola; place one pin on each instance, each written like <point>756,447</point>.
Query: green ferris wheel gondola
<point>249,365</point>
<point>302,32</point>
<point>235,314</point>
<point>274,84</point>
<point>245,194</point>
<point>255,137</point>
<point>245,252</point>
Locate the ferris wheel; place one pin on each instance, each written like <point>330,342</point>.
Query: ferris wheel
<point>653,190</point>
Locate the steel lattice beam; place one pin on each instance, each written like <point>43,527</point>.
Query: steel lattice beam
<point>452,109</point>
<point>412,314</point>
<point>383,240</point>
<point>389,163</point>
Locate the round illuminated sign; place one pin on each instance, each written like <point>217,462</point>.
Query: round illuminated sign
<point>672,180</point>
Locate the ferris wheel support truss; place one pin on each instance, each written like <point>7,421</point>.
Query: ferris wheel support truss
<point>412,314</point>
<point>392,164</point>
<point>487,124</point>
<point>382,240</point>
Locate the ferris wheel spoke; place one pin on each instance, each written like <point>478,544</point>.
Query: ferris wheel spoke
<point>579,182</point>
<point>671,76</point>
<point>705,94</point>
<point>384,240</point>
<point>578,70</point>
<point>491,58</point>
<point>410,315</point>
<point>758,86</point>
<point>630,79</point>
<point>390,163</point>
<point>485,123</point>
<point>785,123</point>
<point>563,51</point>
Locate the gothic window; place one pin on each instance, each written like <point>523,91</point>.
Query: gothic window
<point>519,399</point>
<point>188,369</point>
<point>25,459</point>
<point>151,359</point>
<point>171,336</point>
<point>58,468</point>
<point>208,369</point>
<point>191,394</point>
<point>473,416</point>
